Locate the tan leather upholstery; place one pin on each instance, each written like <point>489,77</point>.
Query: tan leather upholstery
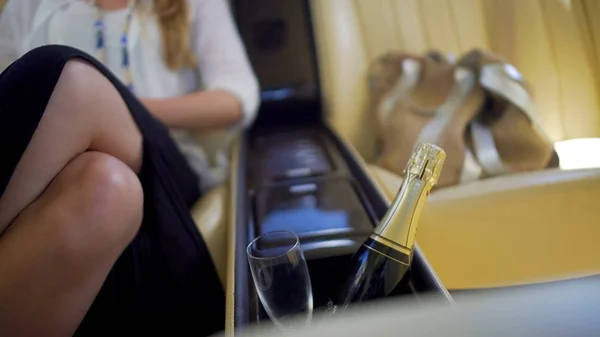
<point>552,42</point>
<point>214,215</point>
<point>509,230</point>
<point>520,229</point>
<point>210,216</point>
<point>343,65</point>
<point>231,208</point>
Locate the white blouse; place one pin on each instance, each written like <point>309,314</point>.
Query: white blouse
<point>222,60</point>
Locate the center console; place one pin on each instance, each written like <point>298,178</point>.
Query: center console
<point>293,172</point>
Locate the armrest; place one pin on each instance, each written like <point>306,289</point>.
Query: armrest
<point>512,230</point>
<point>209,215</point>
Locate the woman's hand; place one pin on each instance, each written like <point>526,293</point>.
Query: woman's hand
<point>213,109</point>
<point>232,94</point>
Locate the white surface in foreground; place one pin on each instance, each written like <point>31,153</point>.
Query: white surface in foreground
<point>563,309</point>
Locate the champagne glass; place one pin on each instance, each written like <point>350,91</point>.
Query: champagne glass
<point>281,278</point>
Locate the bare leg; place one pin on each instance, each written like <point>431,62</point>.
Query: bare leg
<point>68,213</point>
<point>58,251</point>
<point>84,113</point>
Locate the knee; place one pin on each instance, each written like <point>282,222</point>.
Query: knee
<point>99,204</point>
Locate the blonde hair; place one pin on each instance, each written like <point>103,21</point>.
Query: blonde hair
<point>174,21</point>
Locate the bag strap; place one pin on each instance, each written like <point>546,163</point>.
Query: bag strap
<point>411,72</point>
<point>471,169</point>
<point>506,81</point>
<point>486,151</point>
<point>464,80</point>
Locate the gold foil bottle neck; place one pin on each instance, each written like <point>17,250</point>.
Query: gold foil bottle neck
<point>426,162</point>
<point>398,227</point>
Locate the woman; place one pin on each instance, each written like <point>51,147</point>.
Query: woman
<point>95,231</point>
<point>183,59</point>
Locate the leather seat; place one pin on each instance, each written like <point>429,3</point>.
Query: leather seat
<point>210,215</point>
<point>550,42</point>
<point>512,230</point>
<point>505,231</point>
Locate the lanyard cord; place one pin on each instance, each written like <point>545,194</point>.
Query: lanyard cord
<point>101,42</point>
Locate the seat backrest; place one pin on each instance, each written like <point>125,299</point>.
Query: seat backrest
<point>550,41</point>
<point>511,230</point>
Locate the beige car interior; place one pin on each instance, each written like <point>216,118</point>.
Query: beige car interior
<point>552,211</point>
<point>534,227</point>
<point>545,40</point>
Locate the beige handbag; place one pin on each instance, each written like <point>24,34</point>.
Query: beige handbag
<point>507,136</point>
<point>478,110</point>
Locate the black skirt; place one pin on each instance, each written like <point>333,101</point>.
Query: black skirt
<point>164,282</point>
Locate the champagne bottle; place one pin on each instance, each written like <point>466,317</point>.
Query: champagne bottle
<point>381,263</point>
